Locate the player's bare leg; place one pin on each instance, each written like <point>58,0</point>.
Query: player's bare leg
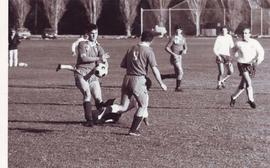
<point>142,100</point>
<point>230,72</point>
<point>64,66</point>
<point>238,92</point>
<point>220,74</point>
<point>178,68</point>
<point>249,89</point>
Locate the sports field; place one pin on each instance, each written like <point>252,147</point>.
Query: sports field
<point>192,129</point>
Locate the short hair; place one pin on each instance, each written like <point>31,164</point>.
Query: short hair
<point>90,27</point>
<point>224,27</point>
<point>147,36</point>
<point>178,27</point>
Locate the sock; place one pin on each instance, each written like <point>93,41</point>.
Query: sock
<point>250,94</point>
<point>88,111</point>
<point>178,83</point>
<point>135,123</point>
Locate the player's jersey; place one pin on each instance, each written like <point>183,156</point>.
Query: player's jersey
<point>74,47</point>
<point>249,51</point>
<point>137,59</point>
<point>223,45</point>
<point>87,49</point>
<point>177,44</point>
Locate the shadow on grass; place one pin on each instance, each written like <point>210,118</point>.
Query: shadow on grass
<point>47,104</point>
<point>82,123</point>
<point>48,122</point>
<point>31,130</point>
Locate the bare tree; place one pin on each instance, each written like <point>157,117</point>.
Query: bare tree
<point>93,9</point>
<point>234,13</point>
<point>54,10</point>
<point>162,16</point>
<point>128,9</point>
<point>199,5</point>
<point>21,9</point>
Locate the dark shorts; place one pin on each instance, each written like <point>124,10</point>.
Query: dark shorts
<point>251,69</point>
<point>225,59</point>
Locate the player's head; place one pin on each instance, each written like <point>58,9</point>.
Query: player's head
<point>246,33</point>
<point>224,30</point>
<point>178,29</point>
<point>12,30</point>
<point>147,36</point>
<point>92,31</point>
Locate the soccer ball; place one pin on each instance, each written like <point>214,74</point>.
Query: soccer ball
<point>101,69</point>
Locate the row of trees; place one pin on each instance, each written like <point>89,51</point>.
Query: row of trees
<point>129,9</point>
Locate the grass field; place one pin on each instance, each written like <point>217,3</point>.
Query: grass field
<point>196,128</point>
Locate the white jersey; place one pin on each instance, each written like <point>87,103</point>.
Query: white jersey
<point>223,45</point>
<point>248,52</point>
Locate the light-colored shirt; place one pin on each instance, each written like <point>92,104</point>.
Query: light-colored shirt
<point>137,59</point>
<point>248,52</point>
<point>223,45</point>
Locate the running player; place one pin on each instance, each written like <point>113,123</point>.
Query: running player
<point>249,54</point>
<point>222,49</point>
<point>136,63</point>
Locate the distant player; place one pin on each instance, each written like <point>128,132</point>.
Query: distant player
<point>249,54</point>
<point>136,62</point>
<point>222,49</point>
<point>89,53</point>
<point>176,47</point>
<point>13,43</point>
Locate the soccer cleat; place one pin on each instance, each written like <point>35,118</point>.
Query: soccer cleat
<point>89,123</point>
<point>219,87</point>
<point>104,111</point>
<point>232,103</point>
<point>146,121</point>
<point>134,133</point>
<point>178,90</point>
<point>252,104</point>
<point>58,67</point>
<point>223,85</point>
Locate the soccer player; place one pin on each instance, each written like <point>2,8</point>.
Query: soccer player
<point>89,53</point>
<point>249,54</point>
<point>176,47</point>
<point>136,62</point>
<point>13,42</point>
<point>222,49</point>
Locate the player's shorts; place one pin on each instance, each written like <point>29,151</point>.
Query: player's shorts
<point>225,59</point>
<point>251,69</point>
<point>175,59</point>
<point>134,85</point>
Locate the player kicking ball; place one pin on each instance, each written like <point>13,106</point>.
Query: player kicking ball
<point>136,61</point>
<point>249,54</point>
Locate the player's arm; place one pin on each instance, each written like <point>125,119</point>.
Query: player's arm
<point>185,46</point>
<point>84,57</point>
<point>153,64</point>
<point>260,53</point>
<point>158,77</point>
<point>73,47</point>
<point>124,61</point>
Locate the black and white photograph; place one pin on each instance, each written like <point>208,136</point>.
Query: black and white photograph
<point>135,84</point>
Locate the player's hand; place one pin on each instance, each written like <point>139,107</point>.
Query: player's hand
<point>163,86</point>
<point>185,52</point>
<point>73,54</point>
<point>104,57</point>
